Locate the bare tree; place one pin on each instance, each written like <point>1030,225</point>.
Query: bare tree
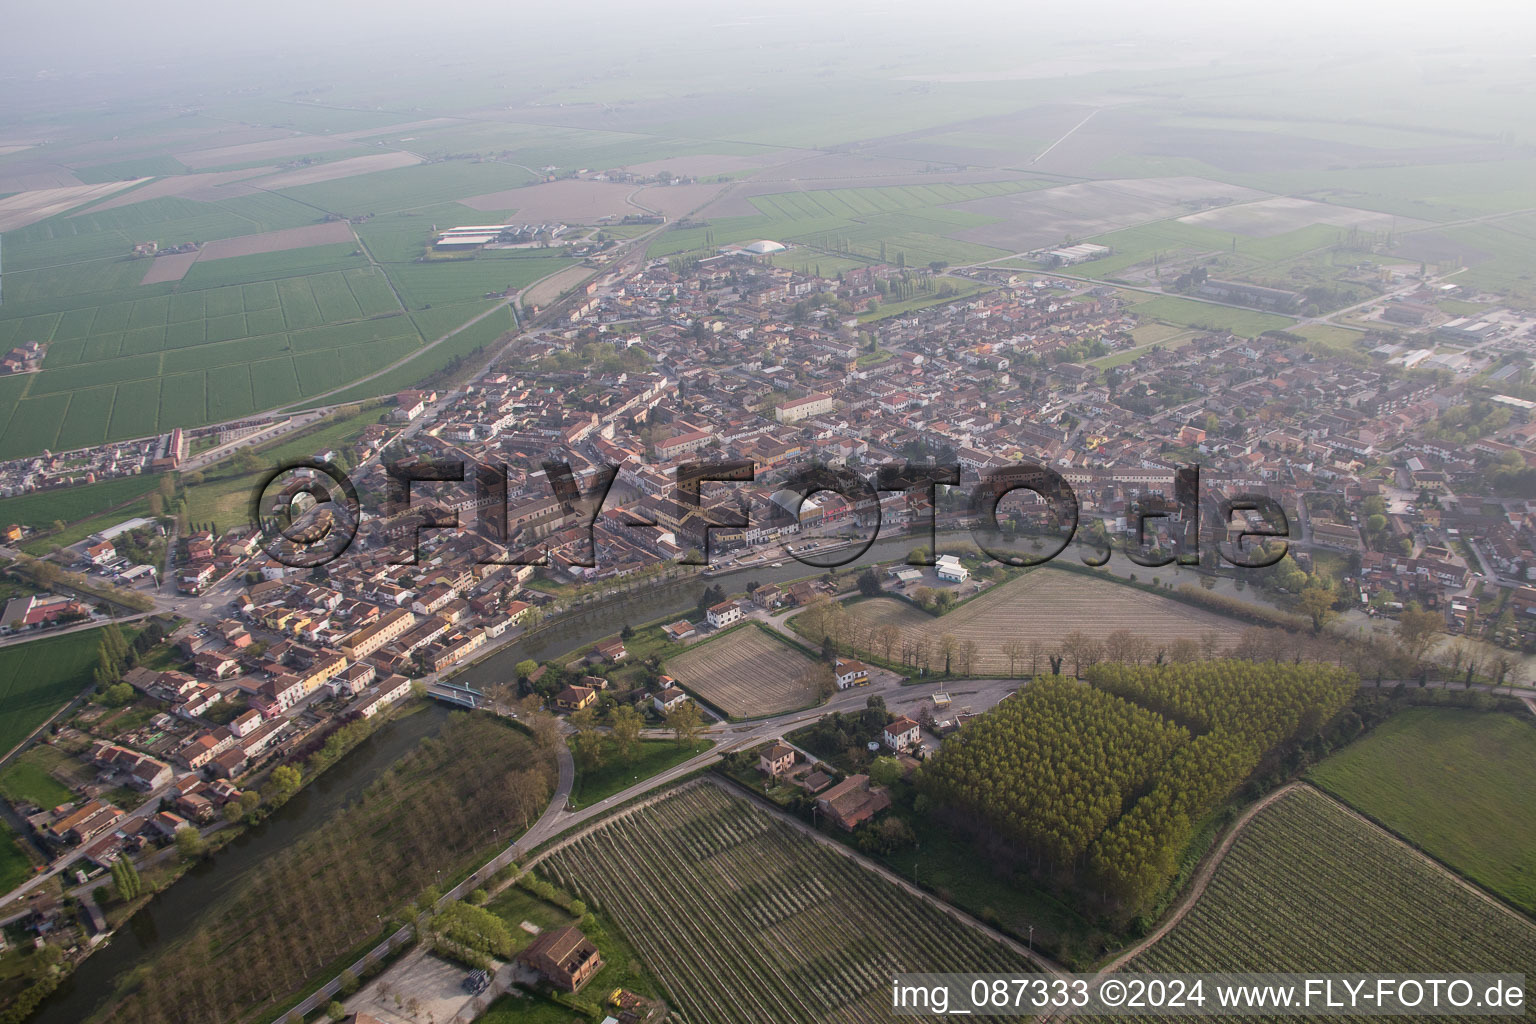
<point>1013,650</point>
<point>1080,649</point>
<point>967,655</point>
<point>948,645</point>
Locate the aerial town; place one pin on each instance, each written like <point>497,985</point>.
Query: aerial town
<point>801,514</point>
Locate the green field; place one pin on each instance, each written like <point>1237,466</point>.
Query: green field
<point>1308,887</point>
<point>71,503</point>
<point>40,676</point>
<point>234,336</point>
<point>614,775</point>
<point>223,497</point>
<point>1456,784</point>
<point>28,778</point>
<point>15,868</point>
<point>1191,313</point>
<point>464,344</point>
<point>241,336</point>
<point>855,224</point>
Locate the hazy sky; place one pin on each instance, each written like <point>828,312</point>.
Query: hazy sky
<point>105,33</point>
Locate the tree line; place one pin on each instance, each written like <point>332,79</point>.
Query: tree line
<point>1105,784</point>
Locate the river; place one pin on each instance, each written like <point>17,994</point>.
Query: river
<point>667,598</point>
<point>172,914</point>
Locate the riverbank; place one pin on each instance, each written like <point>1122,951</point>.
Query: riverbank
<point>171,914</point>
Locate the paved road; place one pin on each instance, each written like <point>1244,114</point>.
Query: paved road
<point>131,822</point>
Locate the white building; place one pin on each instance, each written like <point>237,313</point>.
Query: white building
<point>849,672</point>
<point>902,734</point>
<point>948,567</point>
<point>723,614</point>
<point>668,699</point>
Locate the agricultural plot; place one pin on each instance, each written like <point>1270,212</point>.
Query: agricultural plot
<point>1029,220</point>
<point>772,927</point>
<point>444,283</point>
<point>41,508</point>
<point>1190,313</point>
<point>250,327</point>
<point>920,222</point>
<point>1280,214</point>
<point>1307,886</point>
<point>38,677</point>
<point>746,673</point>
<point>1453,783</point>
<point>1042,606</point>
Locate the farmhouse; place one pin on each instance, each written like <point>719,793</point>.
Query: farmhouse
<point>668,699</point>
<point>849,672</point>
<point>776,760</point>
<point>852,802</point>
<point>723,614</point>
<point>563,957</point>
<point>901,734</point>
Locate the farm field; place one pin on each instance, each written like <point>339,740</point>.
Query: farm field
<point>38,677</point>
<point>224,494</point>
<point>1455,784</point>
<point>467,343</point>
<point>273,310</point>
<point>1043,605</point>
<point>773,927</point>
<point>1192,313</point>
<point>1307,886</point>
<point>41,508</point>
<point>746,673</point>
<point>878,223</point>
<point>211,351</point>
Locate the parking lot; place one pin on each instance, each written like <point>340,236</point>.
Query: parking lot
<point>417,989</point>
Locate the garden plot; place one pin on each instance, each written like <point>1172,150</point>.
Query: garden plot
<point>746,673</point>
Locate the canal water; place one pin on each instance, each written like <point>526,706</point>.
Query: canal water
<point>173,914</point>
